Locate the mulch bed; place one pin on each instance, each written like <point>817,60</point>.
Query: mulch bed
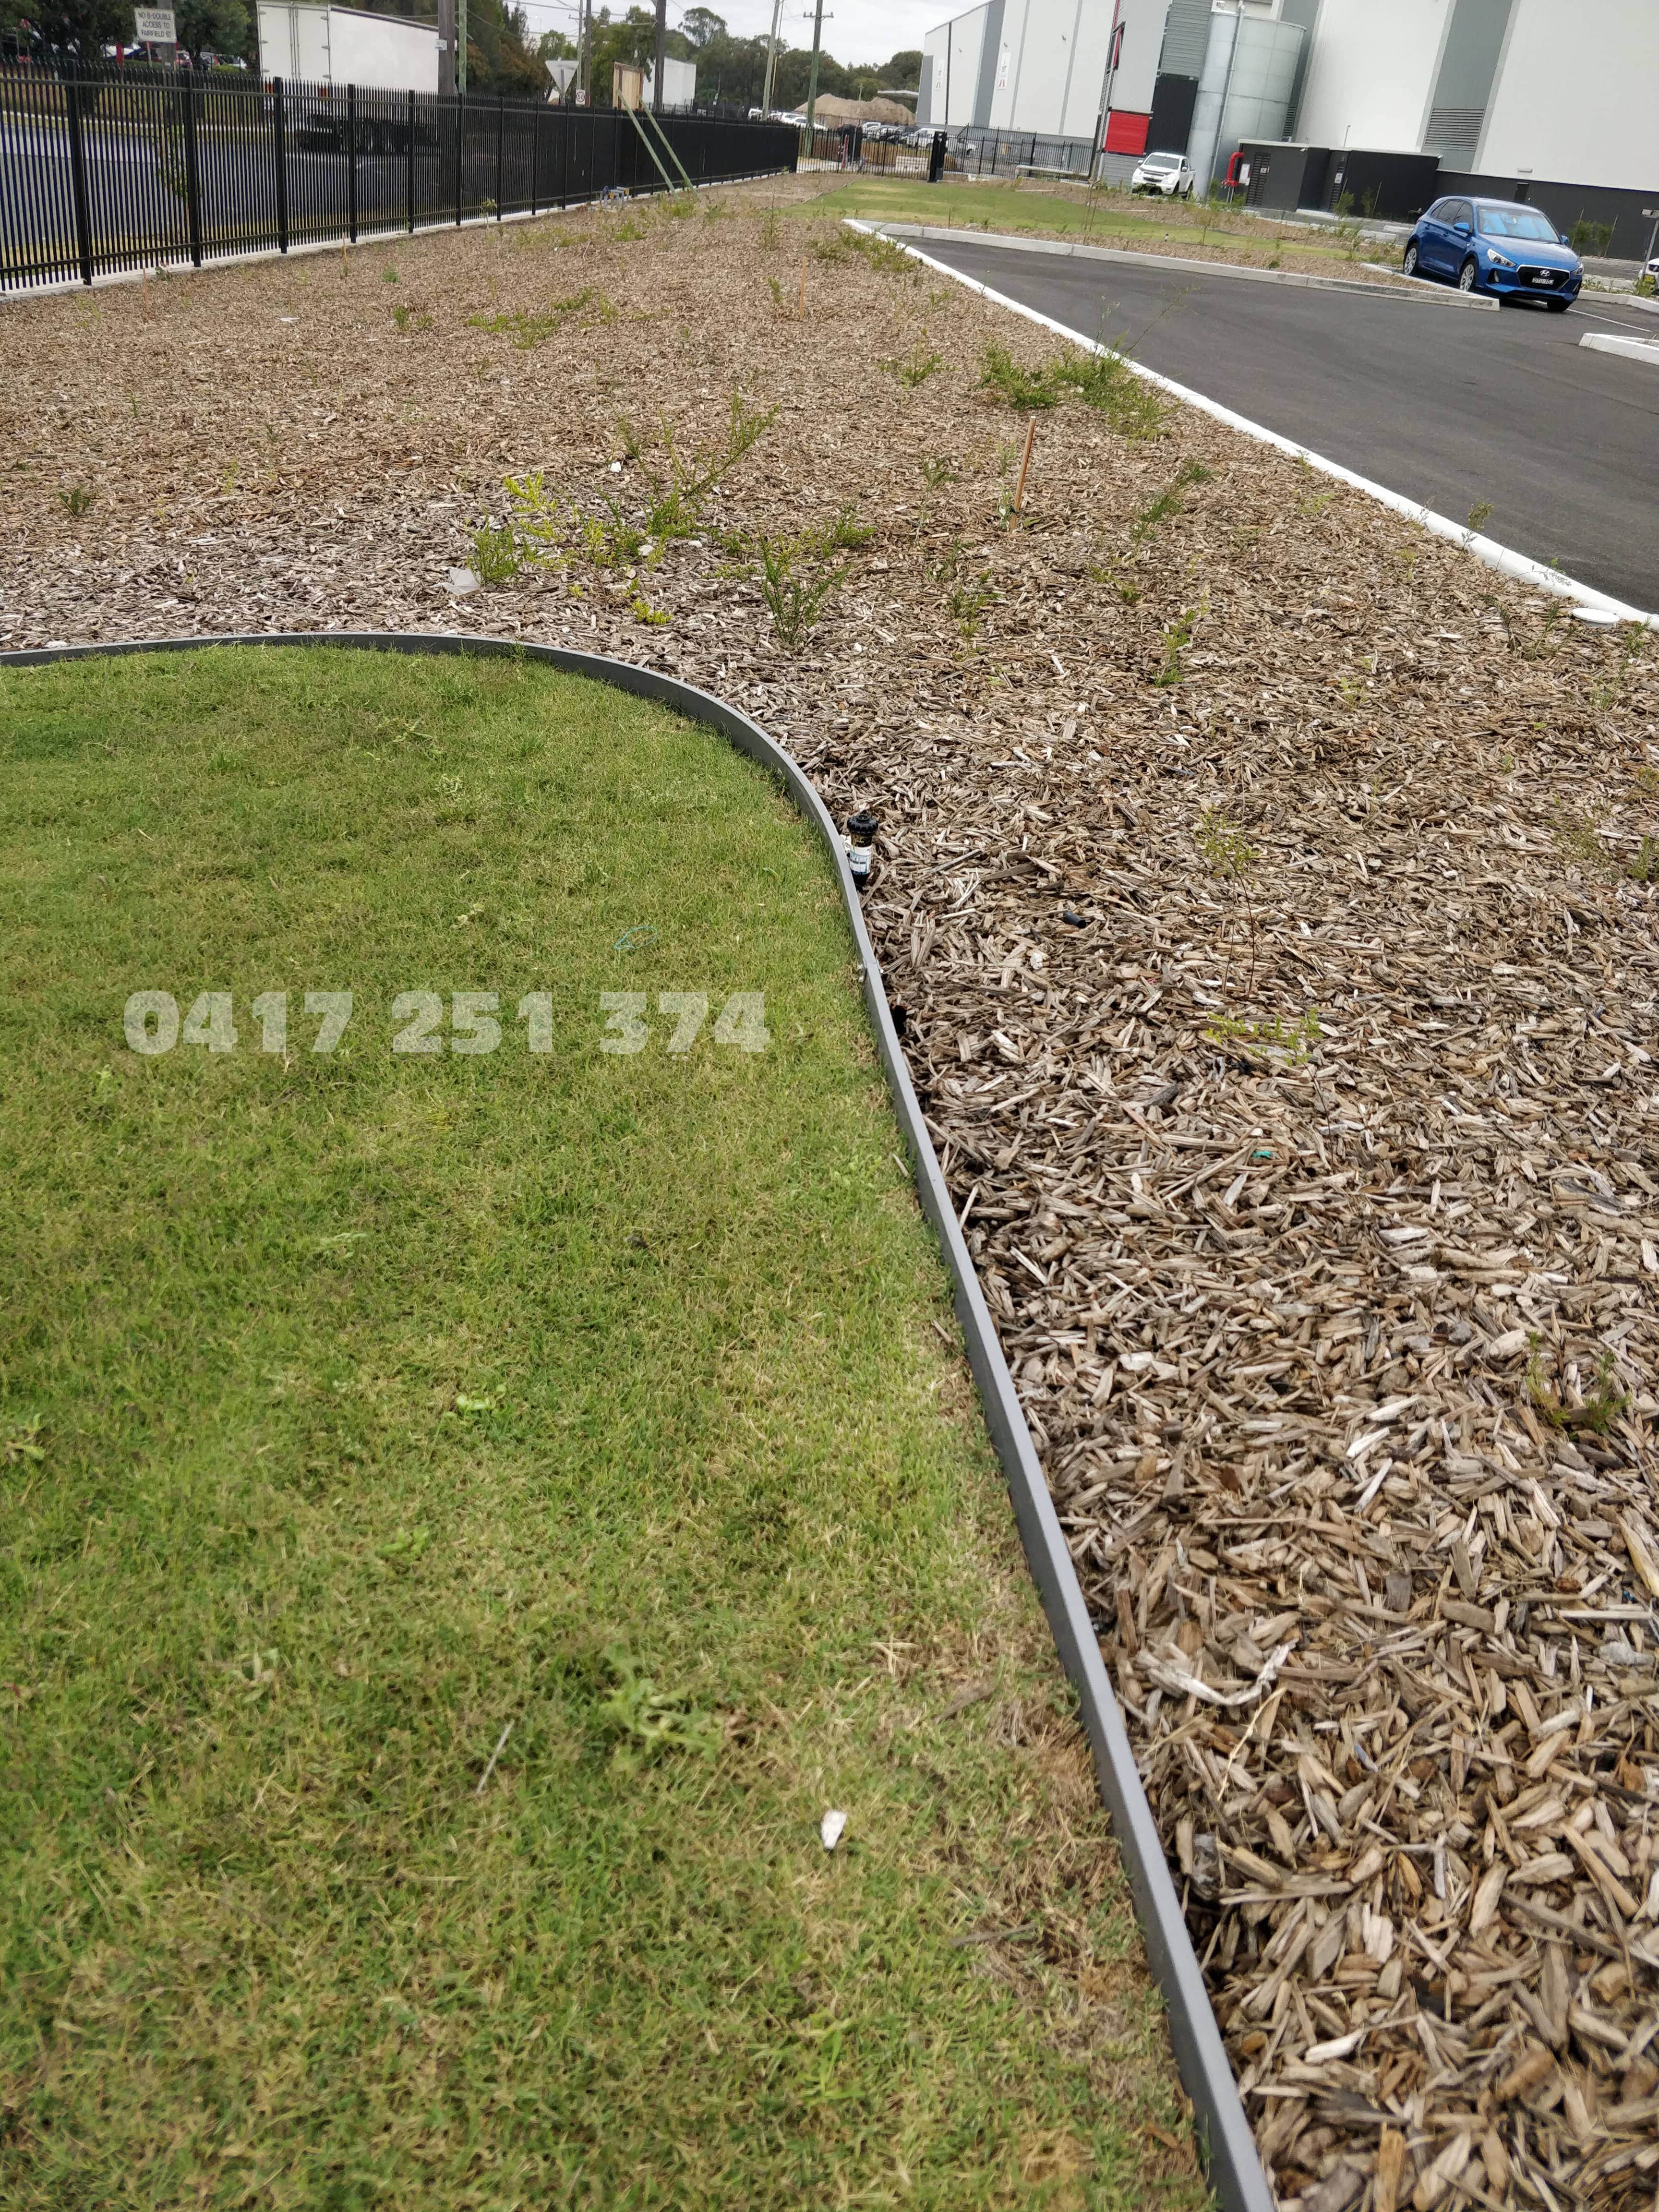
<point>1264,889</point>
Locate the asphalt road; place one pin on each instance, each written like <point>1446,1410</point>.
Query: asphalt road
<point>1448,406</point>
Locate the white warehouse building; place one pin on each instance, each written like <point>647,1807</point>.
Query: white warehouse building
<point>1500,91</point>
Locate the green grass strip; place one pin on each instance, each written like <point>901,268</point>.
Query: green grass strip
<point>357,1405</point>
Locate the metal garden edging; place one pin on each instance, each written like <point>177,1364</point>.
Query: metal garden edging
<point>1234,2171</point>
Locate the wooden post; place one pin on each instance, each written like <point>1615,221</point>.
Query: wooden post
<point>1031,435</point>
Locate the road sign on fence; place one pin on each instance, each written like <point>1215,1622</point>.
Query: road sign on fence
<point>154,27</point>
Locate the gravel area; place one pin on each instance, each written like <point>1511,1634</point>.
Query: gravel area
<point>1266,888</point>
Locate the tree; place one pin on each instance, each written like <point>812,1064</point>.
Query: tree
<point>214,27</point>
<point>499,55</point>
<point>84,28</point>
<point>700,24</point>
<point>630,41</point>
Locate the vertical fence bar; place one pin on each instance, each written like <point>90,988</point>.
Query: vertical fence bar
<point>409,164</point>
<point>460,151</point>
<point>535,155</point>
<point>279,141</point>
<point>351,160</point>
<point>501,133</point>
<point>78,177</point>
<point>186,96</point>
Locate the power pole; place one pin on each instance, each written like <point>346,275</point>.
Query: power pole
<point>446,45</point>
<point>771,58</point>
<point>659,71</point>
<point>812,86</point>
<point>460,45</point>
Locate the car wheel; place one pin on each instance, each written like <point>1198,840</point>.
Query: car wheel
<point>1467,277</point>
<point>1409,264</point>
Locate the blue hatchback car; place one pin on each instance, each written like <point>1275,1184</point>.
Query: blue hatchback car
<point>1499,246</point>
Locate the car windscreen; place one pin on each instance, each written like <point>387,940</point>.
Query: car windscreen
<point>1516,222</point>
<point>1162,161</point>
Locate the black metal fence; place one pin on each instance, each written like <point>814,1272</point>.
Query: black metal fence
<point>976,153</point>
<point>850,146</point>
<point>111,169</point>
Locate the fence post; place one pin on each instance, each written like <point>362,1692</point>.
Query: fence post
<point>500,132</point>
<point>279,133</point>
<point>78,178</point>
<point>411,157</point>
<point>193,172</point>
<point>535,152</point>
<point>351,156</point>
<point>460,151</point>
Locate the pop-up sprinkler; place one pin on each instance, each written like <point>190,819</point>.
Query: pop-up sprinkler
<point>860,837</point>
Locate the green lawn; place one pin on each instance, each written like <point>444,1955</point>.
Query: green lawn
<point>1112,218</point>
<point>358,1404</point>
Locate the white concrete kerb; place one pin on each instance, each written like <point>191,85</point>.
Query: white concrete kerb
<point>1519,566</point>
<point>1645,349</point>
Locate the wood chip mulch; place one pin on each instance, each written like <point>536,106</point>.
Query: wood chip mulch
<point>1264,889</point>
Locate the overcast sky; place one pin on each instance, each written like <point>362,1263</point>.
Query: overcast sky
<point>853,30</point>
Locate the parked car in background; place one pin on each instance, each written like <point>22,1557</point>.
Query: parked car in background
<point>1498,246</point>
<point>1168,174</point>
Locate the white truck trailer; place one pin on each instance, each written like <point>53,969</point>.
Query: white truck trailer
<point>309,44</point>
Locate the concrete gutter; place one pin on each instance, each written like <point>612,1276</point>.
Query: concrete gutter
<point>1401,288</point>
<point>1224,2136</point>
<point>1588,604</point>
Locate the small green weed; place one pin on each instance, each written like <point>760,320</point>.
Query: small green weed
<point>795,603</point>
<point>410,318</point>
<point>915,367</point>
<point>1176,639</point>
<point>1580,842</point>
<point>497,556</point>
<point>1169,501</point>
<point>527,331</point>
<point>1602,1403</point>
<point>1106,382</point>
<point>1028,391</point>
<point>1296,1039</point>
<point>1227,852</point>
<point>78,500</point>
<point>649,1720</point>
<point>968,601</point>
<point>769,231</point>
<point>845,534</point>
<point>1101,381</point>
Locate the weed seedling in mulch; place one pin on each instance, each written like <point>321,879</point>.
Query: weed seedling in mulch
<point>914,369</point>
<point>529,330</point>
<point>794,601</point>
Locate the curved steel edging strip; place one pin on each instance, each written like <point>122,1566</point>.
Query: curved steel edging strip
<point>1234,2171</point>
